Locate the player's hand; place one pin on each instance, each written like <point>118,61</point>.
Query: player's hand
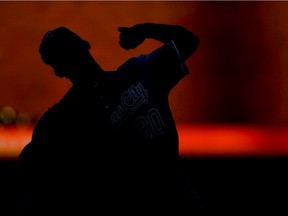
<point>130,37</point>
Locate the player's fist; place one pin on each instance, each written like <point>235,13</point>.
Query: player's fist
<point>130,37</point>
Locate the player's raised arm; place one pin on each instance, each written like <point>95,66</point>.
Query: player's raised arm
<point>186,41</point>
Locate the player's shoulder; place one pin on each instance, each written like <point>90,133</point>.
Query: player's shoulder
<point>140,59</point>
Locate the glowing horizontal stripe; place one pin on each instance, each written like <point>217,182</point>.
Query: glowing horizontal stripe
<point>195,140</point>
<point>233,140</point>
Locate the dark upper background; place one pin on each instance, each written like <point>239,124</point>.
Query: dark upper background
<point>238,74</point>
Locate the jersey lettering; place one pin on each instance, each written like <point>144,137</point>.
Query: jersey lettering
<point>131,100</point>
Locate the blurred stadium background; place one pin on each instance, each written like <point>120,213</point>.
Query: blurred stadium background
<point>231,111</point>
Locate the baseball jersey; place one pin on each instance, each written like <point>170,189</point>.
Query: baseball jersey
<point>144,149</point>
<point>141,114</point>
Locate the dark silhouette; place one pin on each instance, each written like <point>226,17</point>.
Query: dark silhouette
<point>111,144</point>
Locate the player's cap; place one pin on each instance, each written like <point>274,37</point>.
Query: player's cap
<point>60,42</point>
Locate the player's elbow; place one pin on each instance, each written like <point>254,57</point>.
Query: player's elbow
<point>192,42</point>
<point>188,45</point>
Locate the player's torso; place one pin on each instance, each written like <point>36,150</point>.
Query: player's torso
<point>139,112</point>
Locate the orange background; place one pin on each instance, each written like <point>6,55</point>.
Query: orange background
<point>238,74</point>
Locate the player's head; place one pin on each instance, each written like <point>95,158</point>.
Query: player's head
<point>60,48</point>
